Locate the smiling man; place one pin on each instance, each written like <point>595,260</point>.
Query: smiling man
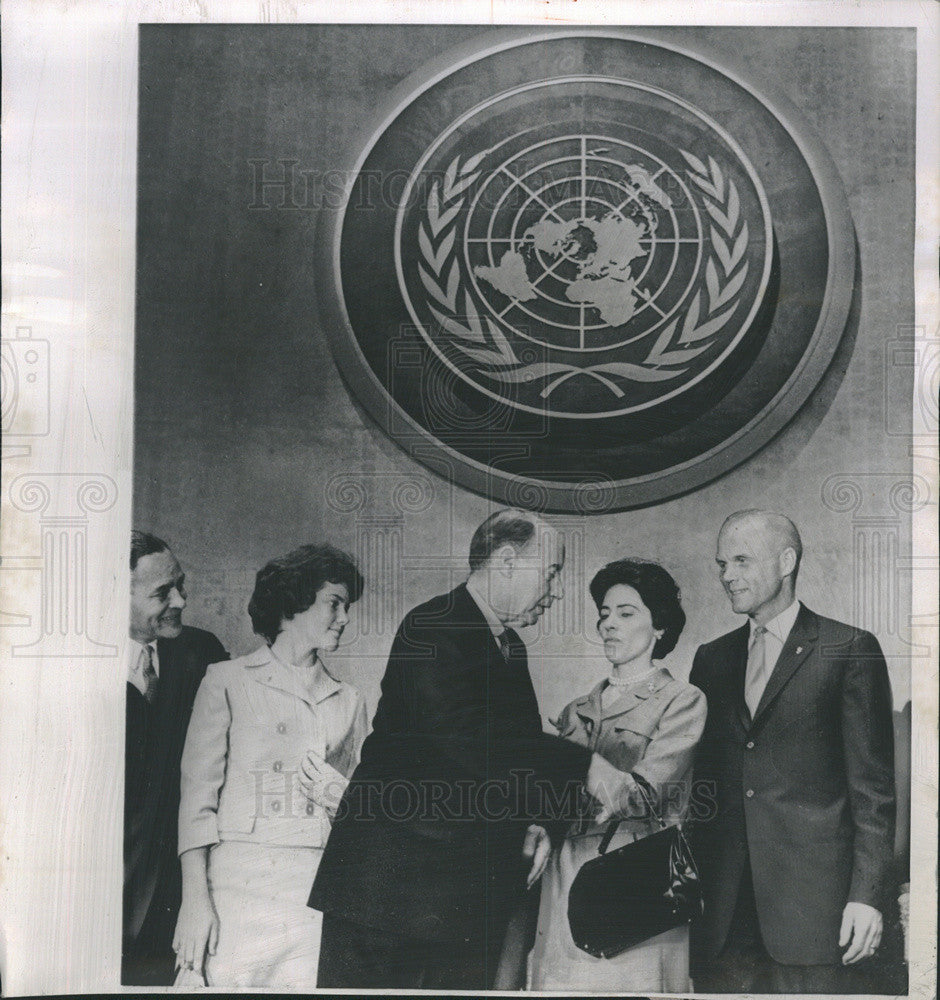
<point>438,831</point>
<point>166,662</point>
<point>798,754</point>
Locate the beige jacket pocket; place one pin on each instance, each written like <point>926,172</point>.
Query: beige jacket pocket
<point>236,813</point>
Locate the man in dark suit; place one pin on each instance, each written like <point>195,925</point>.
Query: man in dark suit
<point>428,855</point>
<point>166,662</point>
<point>798,755</point>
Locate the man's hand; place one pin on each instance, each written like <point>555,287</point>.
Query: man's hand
<point>861,931</point>
<point>537,846</point>
<point>321,782</point>
<point>608,786</point>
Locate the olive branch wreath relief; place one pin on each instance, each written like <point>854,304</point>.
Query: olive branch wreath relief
<point>481,340</point>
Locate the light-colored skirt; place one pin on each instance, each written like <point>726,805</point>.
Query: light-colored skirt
<point>659,965</point>
<point>268,936</point>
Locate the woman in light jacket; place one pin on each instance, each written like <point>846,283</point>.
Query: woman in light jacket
<point>647,723</point>
<point>272,739</point>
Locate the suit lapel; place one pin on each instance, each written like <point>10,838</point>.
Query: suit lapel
<point>172,677</point>
<point>467,615</point>
<point>509,683</point>
<point>167,712</point>
<point>588,709</point>
<point>630,696</point>
<point>170,673</point>
<point>800,643</point>
<point>270,672</point>
<point>739,642</point>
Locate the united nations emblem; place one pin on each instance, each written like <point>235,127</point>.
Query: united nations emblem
<point>575,285</point>
<point>584,268</point>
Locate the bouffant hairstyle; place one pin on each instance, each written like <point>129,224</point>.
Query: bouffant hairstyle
<point>658,591</point>
<point>288,585</point>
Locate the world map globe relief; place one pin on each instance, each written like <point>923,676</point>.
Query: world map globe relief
<point>577,238</point>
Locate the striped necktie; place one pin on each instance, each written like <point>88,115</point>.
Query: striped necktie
<point>148,673</point>
<point>755,680</point>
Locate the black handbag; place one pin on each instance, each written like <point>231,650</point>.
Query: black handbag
<point>620,899</point>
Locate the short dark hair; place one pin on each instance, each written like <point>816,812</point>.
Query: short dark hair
<point>658,591</point>
<point>145,544</point>
<point>510,525</point>
<point>288,585</point>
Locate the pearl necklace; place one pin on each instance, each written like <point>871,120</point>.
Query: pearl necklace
<point>615,681</point>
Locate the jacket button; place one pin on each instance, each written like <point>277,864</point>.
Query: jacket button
<point>278,765</point>
<point>309,808</point>
<point>281,727</point>
<point>750,744</point>
<point>275,806</point>
<point>750,793</point>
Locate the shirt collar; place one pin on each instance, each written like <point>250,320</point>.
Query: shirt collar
<point>134,649</point>
<point>314,681</point>
<point>135,675</point>
<point>492,619</point>
<point>781,625</point>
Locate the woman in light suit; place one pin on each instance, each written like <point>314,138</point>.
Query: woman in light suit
<point>272,739</point>
<point>647,724</point>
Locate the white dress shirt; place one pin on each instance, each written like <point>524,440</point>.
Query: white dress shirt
<point>135,673</point>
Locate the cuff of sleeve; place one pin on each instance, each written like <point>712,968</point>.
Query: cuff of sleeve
<point>863,891</point>
<point>203,832</point>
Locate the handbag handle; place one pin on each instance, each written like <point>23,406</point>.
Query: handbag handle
<point>614,823</point>
<point>608,836</point>
<point>645,792</point>
<point>648,798</point>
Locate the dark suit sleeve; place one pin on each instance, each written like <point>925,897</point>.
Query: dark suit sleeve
<point>703,770</point>
<point>434,707</point>
<point>868,748</point>
<point>215,651</point>
<point>697,674</point>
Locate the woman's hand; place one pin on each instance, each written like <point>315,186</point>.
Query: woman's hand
<point>321,783</point>
<point>197,926</point>
<point>610,787</point>
<point>197,932</point>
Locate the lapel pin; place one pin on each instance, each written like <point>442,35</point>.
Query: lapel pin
<point>799,649</point>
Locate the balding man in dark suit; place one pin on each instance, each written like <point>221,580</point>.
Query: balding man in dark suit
<point>798,751</point>
<point>431,849</point>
